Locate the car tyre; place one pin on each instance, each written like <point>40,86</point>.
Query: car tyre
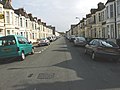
<point>33,51</point>
<point>115,60</point>
<point>22,56</point>
<point>93,56</point>
<point>85,51</point>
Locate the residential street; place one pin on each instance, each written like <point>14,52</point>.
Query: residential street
<point>60,66</point>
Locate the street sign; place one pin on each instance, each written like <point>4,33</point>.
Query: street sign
<point>1,16</point>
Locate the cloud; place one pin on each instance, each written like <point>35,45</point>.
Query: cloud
<point>60,13</point>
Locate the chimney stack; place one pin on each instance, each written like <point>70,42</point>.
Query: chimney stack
<point>101,5</point>
<point>10,2</point>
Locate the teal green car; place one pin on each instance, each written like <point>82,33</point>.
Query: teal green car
<point>14,46</point>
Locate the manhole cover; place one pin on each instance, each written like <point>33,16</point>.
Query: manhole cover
<point>115,70</point>
<point>46,76</point>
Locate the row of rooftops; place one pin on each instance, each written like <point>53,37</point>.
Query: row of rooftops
<point>7,5</point>
<point>101,6</point>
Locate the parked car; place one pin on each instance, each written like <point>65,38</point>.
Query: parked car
<point>80,41</point>
<point>43,41</point>
<point>50,39</point>
<point>54,38</point>
<point>13,46</point>
<point>72,38</point>
<point>103,49</point>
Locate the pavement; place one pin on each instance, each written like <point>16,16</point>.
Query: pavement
<point>60,66</point>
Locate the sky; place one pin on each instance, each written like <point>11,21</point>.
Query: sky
<point>58,13</point>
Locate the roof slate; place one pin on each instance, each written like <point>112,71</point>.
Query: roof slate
<point>109,1</point>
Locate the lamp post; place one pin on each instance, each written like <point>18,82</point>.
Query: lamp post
<point>77,32</point>
<point>78,18</point>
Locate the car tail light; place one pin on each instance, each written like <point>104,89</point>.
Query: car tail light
<point>18,49</point>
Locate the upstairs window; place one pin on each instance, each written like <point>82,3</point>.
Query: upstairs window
<point>7,17</point>
<point>12,18</point>
<point>118,7</point>
<point>111,11</point>
<point>21,22</point>
<point>107,12</point>
<point>99,17</point>
<point>26,23</point>
<point>0,9</point>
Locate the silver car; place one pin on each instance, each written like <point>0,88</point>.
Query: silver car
<point>44,41</point>
<point>80,41</point>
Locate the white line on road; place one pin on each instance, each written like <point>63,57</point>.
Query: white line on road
<point>38,52</point>
<point>35,89</point>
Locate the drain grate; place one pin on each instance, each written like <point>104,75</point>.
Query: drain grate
<point>46,76</point>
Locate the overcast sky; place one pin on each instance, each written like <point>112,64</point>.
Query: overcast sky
<point>59,13</point>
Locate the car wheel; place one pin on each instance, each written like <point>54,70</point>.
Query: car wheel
<point>115,60</point>
<point>75,44</point>
<point>85,51</point>
<point>22,56</point>
<point>93,56</point>
<point>33,51</point>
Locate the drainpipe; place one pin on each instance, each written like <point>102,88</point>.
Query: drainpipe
<point>4,25</point>
<point>115,20</point>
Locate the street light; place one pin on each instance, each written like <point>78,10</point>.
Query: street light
<point>78,18</point>
<point>78,26</point>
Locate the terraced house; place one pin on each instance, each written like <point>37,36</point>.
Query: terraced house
<point>101,22</point>
<point>19,22</point>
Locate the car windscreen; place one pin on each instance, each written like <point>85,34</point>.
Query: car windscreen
<point>81,38</point>
<point>6,41</point>
<point>43,39</point>
<point>109,44</point>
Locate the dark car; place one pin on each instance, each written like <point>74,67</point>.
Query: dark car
<point>103,49</point>
<point>50,39</point>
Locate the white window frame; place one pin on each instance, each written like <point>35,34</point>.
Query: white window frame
<point>118,7</point>
<point>7,17</point>
<point>118,30</point>
<point>107,12</point>
<point>21,22</point>
<point>111,11</point>
<point>1,10</point>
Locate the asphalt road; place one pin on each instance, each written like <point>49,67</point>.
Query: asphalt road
<point>60,66</point>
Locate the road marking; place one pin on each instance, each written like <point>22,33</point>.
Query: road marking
<point>35,89</point>
<point>45,48</point>
<point>41,50</point>
<point>38,52</point>
<point>65,46</point>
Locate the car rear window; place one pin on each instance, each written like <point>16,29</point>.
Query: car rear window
<point>7,41</point>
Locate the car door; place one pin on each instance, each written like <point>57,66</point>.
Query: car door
<point>28,46</point>
<point>22,44</point>
<point>8,47</point>
<point>89,46</point>
<point>94,46</point>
